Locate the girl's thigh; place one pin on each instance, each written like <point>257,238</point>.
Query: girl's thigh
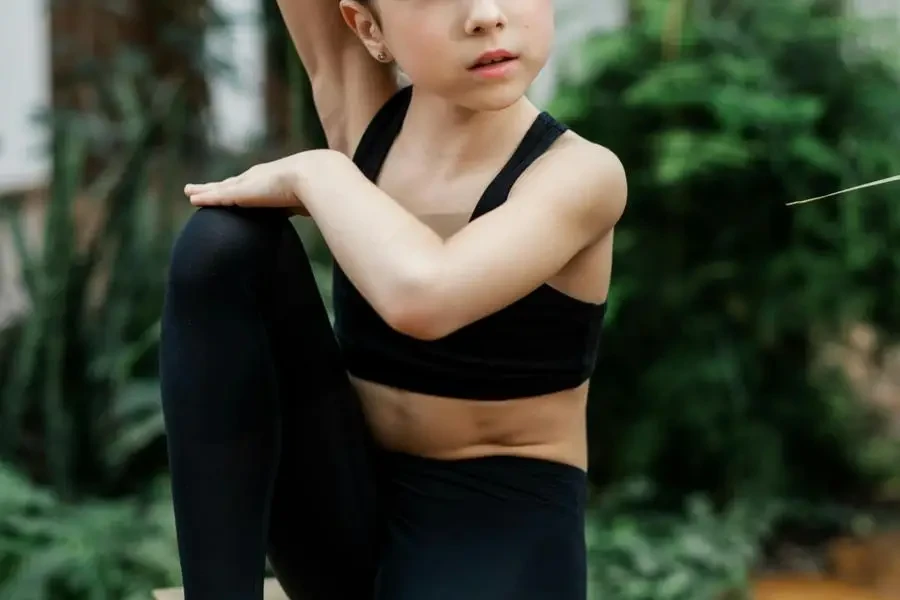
<point>497,528</point>
<point>324,526</point>
<point>483,563</point>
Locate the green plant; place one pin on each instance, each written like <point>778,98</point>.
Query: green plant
<point>84,515</point>
<point>94,550</point>
<point>699,553</point>
<point>78,399</point>
<point>722,296</point>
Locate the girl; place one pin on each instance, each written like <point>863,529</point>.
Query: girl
<point>432,445</point>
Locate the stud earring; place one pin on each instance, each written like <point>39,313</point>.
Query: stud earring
<point>382,56</point>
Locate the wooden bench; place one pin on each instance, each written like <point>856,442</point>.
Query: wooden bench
<point>273,591</point>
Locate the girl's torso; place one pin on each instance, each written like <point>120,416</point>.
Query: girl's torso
<point>549,426</point>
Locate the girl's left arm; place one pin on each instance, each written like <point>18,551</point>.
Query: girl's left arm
<point>428,287</point>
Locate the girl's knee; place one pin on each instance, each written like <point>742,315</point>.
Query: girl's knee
<point>222,243</point>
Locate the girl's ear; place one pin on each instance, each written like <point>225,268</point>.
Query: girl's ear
<point>362,19</point>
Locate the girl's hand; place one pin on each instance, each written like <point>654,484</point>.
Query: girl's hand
<point>271,184</point>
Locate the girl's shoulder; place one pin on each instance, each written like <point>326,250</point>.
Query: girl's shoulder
<point>580,169</point>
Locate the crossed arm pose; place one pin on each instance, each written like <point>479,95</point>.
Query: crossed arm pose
<point>419,283</point>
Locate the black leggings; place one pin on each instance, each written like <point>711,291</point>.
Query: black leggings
<point>270,452</point>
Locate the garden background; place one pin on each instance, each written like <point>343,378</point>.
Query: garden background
<point>745,411</point>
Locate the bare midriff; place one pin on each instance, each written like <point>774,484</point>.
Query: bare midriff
<point>550,427</point>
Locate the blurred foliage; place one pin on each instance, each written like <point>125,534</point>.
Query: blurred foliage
<point>709,389</point>
<point>93,550</point>
<point>83,511</point>
<point>78,372</point>
<point>722,297</point>
<point>114,58</point>
<point>79,397</point>
<point>697,553</point>
<point>79,410</point>
<point>84,505</point>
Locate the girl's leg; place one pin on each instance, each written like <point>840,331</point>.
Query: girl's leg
<point>489,528</point>
<point>267,443</point>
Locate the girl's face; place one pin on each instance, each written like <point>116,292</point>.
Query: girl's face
<point>438,45</point>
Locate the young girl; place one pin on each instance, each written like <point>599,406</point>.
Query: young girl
<point>432,446</point>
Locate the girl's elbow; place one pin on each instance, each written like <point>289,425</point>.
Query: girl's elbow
<point>414,303</point>
<point>417,318</point>
<point>415,309</point>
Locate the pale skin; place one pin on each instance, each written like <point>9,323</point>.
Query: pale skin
<point>424,280</point>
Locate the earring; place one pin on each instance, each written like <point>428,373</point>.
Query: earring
<point>382,56</point>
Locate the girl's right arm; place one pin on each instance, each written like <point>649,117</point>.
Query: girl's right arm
<point>348,85</point>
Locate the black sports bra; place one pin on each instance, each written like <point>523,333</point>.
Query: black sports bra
<point>544,342</point>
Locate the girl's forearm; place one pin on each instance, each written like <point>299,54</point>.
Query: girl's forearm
<point>388,254</point>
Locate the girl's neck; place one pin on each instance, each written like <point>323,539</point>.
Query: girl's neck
<point>447,135</point>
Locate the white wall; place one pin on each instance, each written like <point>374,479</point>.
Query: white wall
<point>24,89</point>
<point>237,97</point>
<point>237,112</point>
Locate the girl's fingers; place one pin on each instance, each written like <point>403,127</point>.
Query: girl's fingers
<point>196,188</point>
<point>192,189</point>
<point>235,194</point>
<point>217,195</point>
<point>206,199</point>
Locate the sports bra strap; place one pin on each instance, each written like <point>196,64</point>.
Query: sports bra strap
<point>385,126</point>
<point>543,133</point>
<point>379,135</point>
